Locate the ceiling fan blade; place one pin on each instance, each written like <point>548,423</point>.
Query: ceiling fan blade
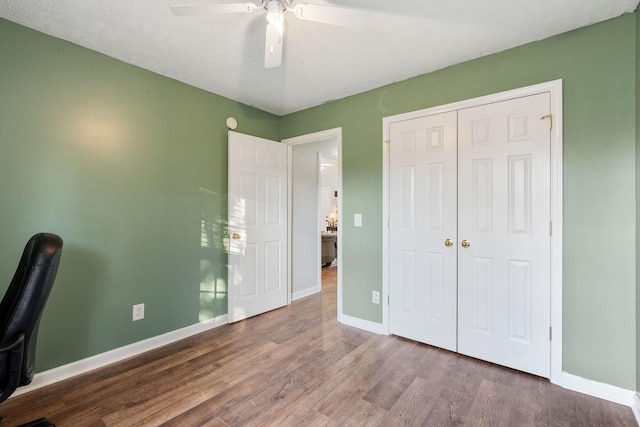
<point>333,15</point>
<point>208,9</point>
<point>273,46</point>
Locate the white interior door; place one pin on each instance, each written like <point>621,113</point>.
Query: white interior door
<point>504,214</point>
<point>423,229</point>
<point>257,226</point>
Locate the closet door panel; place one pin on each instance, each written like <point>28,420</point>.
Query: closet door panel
<point>422,217</point>
<point>503,216</point>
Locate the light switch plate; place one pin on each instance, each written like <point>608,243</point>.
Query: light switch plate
<point>357,220</point>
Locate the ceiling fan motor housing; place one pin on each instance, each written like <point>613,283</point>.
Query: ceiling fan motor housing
<point>284,4</point>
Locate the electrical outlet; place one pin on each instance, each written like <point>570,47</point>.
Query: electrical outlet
<point>375,297</point>
<point>138,312</point>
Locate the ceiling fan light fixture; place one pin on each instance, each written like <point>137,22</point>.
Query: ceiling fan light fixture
<point>275,15</point>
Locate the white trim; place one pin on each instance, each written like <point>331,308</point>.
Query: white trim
<point>555,90</point>
<point>306,292</point>
<point>318,136</point>
<point>599,390</point>
<point>367,325</point>
<point>635,407</point>
<point>289,223</point>
<point>82,366</point>
<point>386,123</point>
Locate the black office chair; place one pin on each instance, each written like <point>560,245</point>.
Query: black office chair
<point>20,312</point>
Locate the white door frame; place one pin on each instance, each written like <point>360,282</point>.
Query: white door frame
<point>335,133</point>
<point>555,90</point>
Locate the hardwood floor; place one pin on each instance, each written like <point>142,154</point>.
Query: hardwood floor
<point>297,366</point>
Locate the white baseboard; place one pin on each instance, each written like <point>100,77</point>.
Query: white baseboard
<point>376,328</point>
<point>636,407</point>
<point>64,372</point>
<point>598,389</point>
<point>305,292</point>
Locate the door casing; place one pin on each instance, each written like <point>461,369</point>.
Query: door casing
<point>554,88</point>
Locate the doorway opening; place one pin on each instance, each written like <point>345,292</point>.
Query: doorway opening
<point>328,209</point>
<point>315,194</point>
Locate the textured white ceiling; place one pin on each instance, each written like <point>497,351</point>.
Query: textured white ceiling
<point>224,53</point>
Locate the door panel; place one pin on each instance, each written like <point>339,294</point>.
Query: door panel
<point>504,212</point>
<point>257,226</point>
<point>423,216</point>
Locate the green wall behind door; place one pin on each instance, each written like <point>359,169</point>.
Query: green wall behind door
<point>130,168</point>
<point>597,65</point>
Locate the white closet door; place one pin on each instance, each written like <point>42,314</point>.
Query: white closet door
<point>422,217</point>
<point>504,213</point>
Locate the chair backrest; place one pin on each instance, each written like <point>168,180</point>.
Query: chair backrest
<point>24,300</point>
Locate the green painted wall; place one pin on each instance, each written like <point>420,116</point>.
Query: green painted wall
<point>598,66</point>
<point>130,169</point>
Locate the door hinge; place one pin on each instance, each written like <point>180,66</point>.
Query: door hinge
<point>388,144</point>
<point>388,299</point>
<point>550,117</point>
<point>550,228</point>
<point>388,222</point>
<point>550,333</point>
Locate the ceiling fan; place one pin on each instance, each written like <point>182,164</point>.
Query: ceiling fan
<point>275,19</point>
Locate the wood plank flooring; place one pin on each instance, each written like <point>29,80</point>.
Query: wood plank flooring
<point>297,366</point>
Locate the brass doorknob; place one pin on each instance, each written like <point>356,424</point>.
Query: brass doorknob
<point>448,243</point>
<point>465,243</point>
<point>235,236</point>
